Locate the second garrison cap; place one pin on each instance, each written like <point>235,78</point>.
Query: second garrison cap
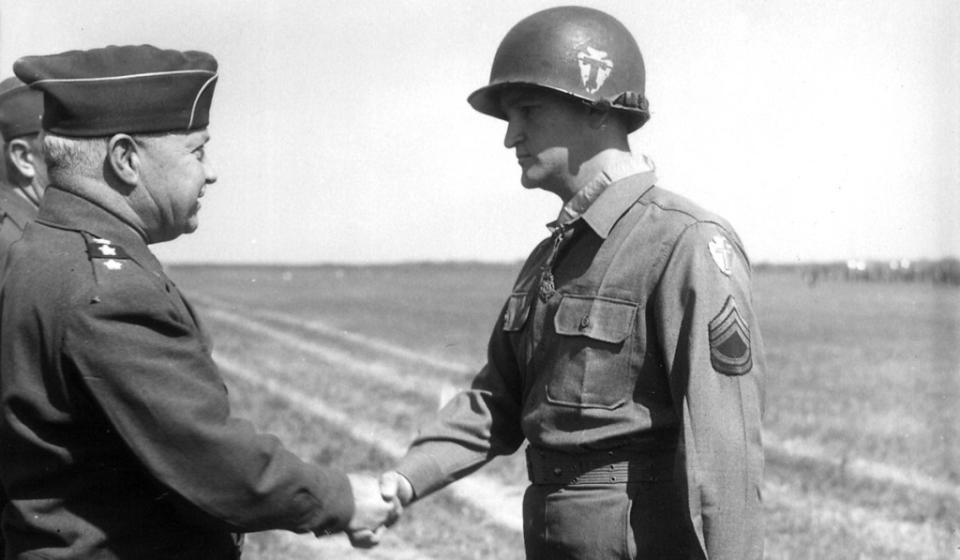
<point>20,109</point>
<point>130,89</point>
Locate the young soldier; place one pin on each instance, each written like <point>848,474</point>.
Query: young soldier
<point>628,354</point>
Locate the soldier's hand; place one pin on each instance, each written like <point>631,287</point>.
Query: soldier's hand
<point>372,514</point>
<point>395,486</point>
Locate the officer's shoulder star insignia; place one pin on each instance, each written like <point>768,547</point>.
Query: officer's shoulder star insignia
<point>113,264</point>
<point>722,253</point>
<point>730,341</point>
<point>100,248</point>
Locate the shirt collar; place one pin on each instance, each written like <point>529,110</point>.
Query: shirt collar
<point>66,210</point>
<point>616,200</point>
<point>601,210</point>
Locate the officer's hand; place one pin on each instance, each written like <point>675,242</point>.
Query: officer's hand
<point>395,486</point>
<point>365,538</point>
<point>372,514</point>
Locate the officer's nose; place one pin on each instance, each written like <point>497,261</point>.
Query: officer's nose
<point>209,171</point>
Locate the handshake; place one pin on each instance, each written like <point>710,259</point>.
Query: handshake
<point>377,505</point>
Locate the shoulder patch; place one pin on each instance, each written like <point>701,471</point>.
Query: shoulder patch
<point>730,341</point>
<point>722,253</point>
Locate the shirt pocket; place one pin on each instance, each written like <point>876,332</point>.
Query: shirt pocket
<point>593,351</point>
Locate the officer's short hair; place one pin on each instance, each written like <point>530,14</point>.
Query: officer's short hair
<point>73,155</point>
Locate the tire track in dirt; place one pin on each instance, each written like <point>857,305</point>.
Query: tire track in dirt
<point>894,536</point>
<point>798,449</point>
<point>502,503</point>
<point>327,330</point>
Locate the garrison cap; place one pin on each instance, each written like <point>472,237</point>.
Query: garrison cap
<point>20,109</point>
<point>131,89</point>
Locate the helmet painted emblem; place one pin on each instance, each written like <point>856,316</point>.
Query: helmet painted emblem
<point>595,68</point>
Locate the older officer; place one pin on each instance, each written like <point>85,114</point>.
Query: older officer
<point>22,160</point>
<point>116,432</point>
<point>628,354</point>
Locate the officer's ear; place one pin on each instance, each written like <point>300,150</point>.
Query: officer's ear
<point>123,158</point>
<point>20,153</point>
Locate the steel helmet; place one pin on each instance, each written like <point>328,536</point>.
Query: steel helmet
<point>578,51</point>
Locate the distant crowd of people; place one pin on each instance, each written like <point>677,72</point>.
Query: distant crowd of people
<point>942,271</point>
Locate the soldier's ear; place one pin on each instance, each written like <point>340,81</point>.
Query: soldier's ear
<point>598,118</point>
<point>21,155</point>
<point>123,158</point>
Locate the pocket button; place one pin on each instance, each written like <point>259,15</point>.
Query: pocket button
<point>585,322</point>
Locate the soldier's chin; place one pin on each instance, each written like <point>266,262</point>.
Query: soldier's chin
<point>529,182</point>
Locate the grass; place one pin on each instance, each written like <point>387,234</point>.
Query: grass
<point>864,374</point>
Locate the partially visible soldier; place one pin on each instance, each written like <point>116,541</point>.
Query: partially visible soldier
<point>116,432</point>
<point>23,174</point>
<point>628,354</point>
<point>23,167</point>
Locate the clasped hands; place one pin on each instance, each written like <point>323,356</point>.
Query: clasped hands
<point>377,505</point>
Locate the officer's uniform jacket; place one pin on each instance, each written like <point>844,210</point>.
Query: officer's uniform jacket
<point>631,327</point>
<point>15,213</point>
<point>116,439</point>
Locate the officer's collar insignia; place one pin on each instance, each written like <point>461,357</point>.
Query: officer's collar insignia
<point>730,341</point>
<point>100,248</point>
<point>595,68</point>
<point>722,253</point>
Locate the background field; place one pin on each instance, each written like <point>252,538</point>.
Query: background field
<point>862,422</point>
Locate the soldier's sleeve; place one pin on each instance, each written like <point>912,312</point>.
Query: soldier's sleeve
<point>152,376</point>
<point>474,427</point>
<point>711,345</point>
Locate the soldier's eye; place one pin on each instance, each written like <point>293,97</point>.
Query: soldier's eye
<point>526,110</point>
<point>200,153</point>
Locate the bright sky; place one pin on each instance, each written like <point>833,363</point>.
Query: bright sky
<point>821,129</point>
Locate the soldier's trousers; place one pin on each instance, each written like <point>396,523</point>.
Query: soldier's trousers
<point>632,520</point>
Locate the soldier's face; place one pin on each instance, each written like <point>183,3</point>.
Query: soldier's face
<point>176,172</point>
<point>547,133</point>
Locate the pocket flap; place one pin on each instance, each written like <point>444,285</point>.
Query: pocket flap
<point>598,318</point>
<point>515,314</point>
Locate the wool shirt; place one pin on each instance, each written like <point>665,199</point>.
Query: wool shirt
<point>644,339</point>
